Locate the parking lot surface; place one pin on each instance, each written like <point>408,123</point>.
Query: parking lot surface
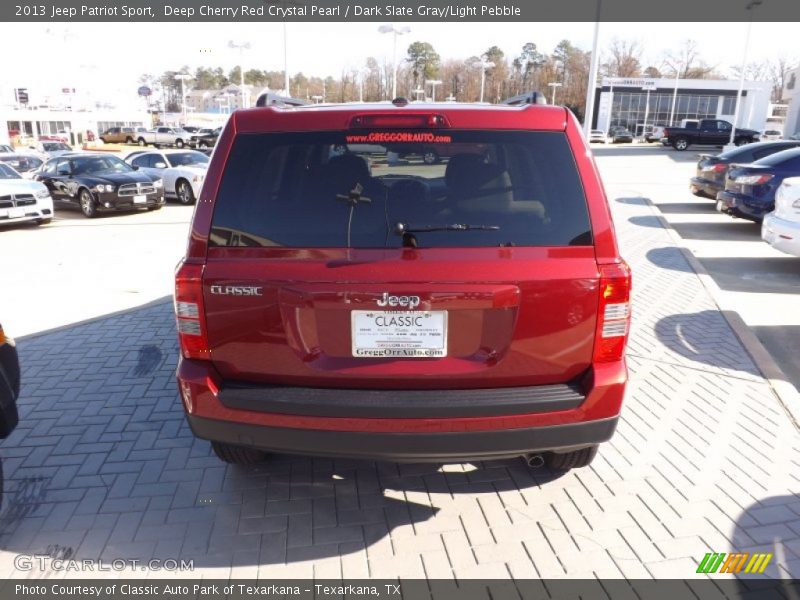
<point>103,466</point>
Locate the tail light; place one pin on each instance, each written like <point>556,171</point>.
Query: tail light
<point>752,179</point>
<point>189,312</point>
<point>614,314</point>
<point>666,133</point>
<point>719,167</point>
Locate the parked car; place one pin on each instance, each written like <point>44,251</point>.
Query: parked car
<point>24,164</point>
<point>51,149</point>
<point>190,128</point>
<point>326,307</point>
<point>205,138</point>
<point>770,134</point>
<point>750,189</point>
<point>781,228</point>
<point>597,135</point>
<point>656,134</point>
<point>121,135</point>
<point>22,199</point>
<point>5,148</point>
<point>163,136</point>
<point>430,154</point>
<point>61,136</point>
<point>95,183</point>
<point>712,169</point>
<point>710,132</point>
<point>182,171</point>
<point>617,135</point>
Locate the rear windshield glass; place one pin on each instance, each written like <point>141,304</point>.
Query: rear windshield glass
<point>774,160</point>
<point>393,189</point>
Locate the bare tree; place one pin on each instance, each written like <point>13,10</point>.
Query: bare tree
<point>686,62</point>
<point>623,59</point>
<point>779,69</point>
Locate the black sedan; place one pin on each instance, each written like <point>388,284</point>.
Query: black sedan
<point>617,135</point>
<point>97,182</point>
<point>712,169</point>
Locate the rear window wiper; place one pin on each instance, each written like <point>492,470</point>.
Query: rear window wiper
<point>407,231</point>
<point>402,228</point>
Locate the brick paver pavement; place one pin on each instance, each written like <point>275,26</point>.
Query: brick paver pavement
<point>705,460</point>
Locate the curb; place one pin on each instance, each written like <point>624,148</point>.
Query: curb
<point>786,393</point>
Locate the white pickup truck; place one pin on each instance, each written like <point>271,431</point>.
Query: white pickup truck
<point>164,136</point>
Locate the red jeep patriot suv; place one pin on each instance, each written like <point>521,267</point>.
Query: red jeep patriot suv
<point>340,296</point>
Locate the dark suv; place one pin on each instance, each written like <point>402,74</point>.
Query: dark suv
<point>331,303</point>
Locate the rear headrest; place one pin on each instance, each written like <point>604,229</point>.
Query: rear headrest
<point>461,168</point>
<point>343,172</point>
<point>477,185</point>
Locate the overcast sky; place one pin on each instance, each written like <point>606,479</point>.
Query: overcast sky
<point>116,54</point>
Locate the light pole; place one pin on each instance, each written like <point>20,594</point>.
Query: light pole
<point>183,77</point>
<point>647,87</point>
<point>591,85</point>
<point>483,65</point>
<point>241,47</point>
<point>419,92</point>
<point>749,8</point>
<point>395,32</point>
<point>284,4</point>
<point>554,85</point>
<point>433,83</point>
<point>675,95</point>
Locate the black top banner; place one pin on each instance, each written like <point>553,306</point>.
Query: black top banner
<point>632,11</point>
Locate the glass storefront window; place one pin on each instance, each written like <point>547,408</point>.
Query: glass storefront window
<point>628,108</point>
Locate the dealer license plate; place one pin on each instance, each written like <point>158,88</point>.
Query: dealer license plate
<point>16,213</point>
<point>140,199</point>
<point>399,334</point>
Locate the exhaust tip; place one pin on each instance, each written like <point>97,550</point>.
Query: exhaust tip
<point>534,461</point>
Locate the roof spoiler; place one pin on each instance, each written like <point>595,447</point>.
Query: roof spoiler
<point>526,98</point>
<point>270,99</point>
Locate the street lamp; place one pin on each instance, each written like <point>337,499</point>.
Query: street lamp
<point>749,8</point>
<point>592,83</point>
<point>241,48</point>
<point>483,65</point>
<point>395,32</point>
<point>284,4</point>
<point>675,94</point>
<point>433,83</point>
<point>183,77</point>
<point>554,85</point>
<point>419,92</point>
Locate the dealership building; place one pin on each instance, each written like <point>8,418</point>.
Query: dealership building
<point>640,103</point>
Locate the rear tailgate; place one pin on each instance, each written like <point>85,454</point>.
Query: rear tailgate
<point>509,317</point>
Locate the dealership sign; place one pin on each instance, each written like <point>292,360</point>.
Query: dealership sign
<point>144,91</point>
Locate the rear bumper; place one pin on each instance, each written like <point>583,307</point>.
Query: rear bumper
<point>781,234</point>
<point>742,206</point>
<point>453,445</point>
<point>707,187</point>
<point>364,430</point>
